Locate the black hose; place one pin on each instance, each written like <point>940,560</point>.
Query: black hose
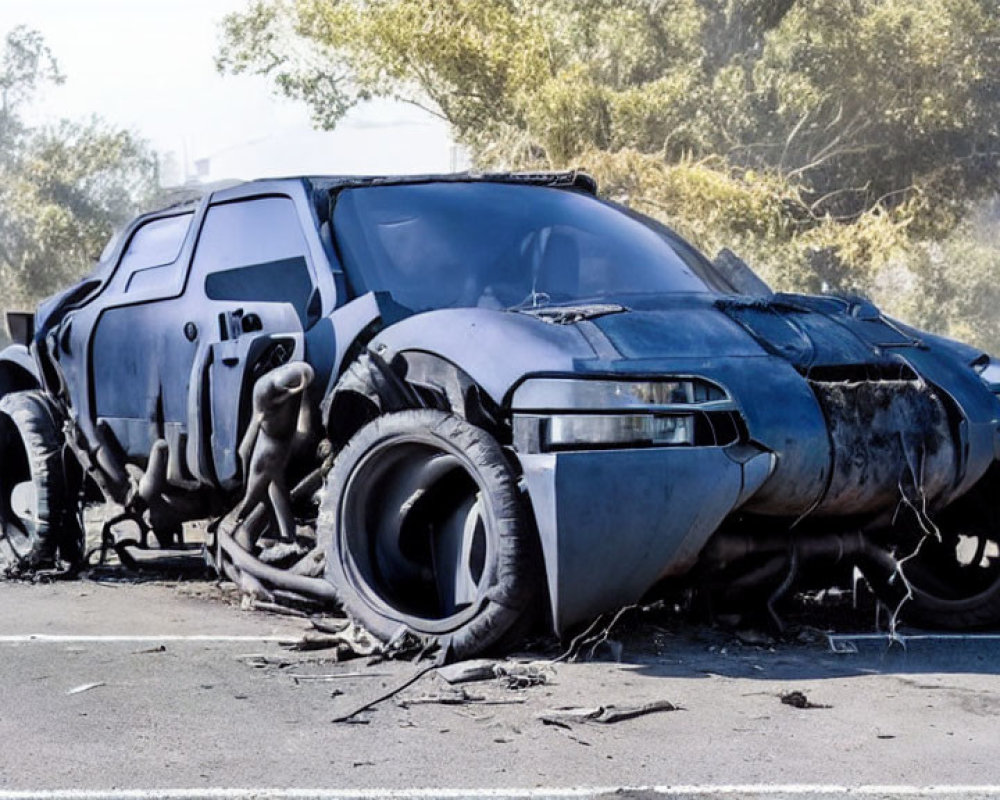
<point>278,578</point>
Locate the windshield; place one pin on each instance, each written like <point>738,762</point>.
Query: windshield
<point>494,245</point>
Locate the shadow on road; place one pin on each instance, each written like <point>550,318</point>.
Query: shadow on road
<point>826,639</point>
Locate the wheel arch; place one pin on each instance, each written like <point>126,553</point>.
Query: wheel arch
<point>413,379</point>
<point>465,360</point>
<point>18,372</point>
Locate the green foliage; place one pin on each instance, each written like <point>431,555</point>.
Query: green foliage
<point>840,145</point>
<point>25,63</point>
<point>63,188</point>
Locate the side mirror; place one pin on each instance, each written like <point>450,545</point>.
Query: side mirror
<point>21,327</point>
<point>738,275</point>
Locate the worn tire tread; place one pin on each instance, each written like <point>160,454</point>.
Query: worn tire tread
<point>513,594</point>
<point>57,532</point>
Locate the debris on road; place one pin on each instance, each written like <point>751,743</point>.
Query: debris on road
<point>161,649</point>
<point>405,684</point>
<point>86,687</point>
<point>479,669</point>
<point>514,675</point>
<point>605,715</point>
<point>453,698</point>
<point>334,676</point>
<point>798,699</point>
<point>457,697</point>
<point>754,638</point>
<point>275,608</point>
<point>349,641</point>
<point>264,660</point>
<point>523,676</point>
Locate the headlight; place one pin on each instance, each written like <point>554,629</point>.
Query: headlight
<point>569,431</point>
<point>565,414</point>
<point>556,394</point>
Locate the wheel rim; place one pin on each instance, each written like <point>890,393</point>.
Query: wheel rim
<point>416,537</point>
<point>957,571</point>
<point>18,495</point>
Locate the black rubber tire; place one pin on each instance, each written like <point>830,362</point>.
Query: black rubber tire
<point>929,610</point>
<point>509,587</point>
<point>946,594</point>
<point>31,449</point>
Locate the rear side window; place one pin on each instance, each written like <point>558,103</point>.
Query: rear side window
<point>255,251</point>
<point>149,260</point>
<point>156,243</point>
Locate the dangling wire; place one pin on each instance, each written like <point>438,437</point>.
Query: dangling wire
<point>915,465</point>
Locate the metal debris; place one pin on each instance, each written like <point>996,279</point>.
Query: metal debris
<point>513,675</point>
<point>86,687</point>
<point>605,715</point>
<point>351,641</point>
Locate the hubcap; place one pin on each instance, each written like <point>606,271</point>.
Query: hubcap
<point>18,496</point>
<point>416,532</point>
<point>24,502</point>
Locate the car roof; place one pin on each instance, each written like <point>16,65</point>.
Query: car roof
<point>573,179</point>
<point>186,197</point>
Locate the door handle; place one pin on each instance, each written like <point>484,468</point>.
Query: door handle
<point>251,322</point>
<point>232,324</point>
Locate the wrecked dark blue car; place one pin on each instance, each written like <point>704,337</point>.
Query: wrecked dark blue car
<point>465,405</point>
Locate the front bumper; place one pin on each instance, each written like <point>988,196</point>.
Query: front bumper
<point>613,522</point>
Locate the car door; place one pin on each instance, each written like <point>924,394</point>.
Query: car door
<point>251,293</point>
<point>121,352</point>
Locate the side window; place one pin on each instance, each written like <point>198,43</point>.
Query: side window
<point>254,251</point>
<point>150,260</point>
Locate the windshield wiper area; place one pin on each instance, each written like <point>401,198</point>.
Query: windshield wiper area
<point>568,315</point>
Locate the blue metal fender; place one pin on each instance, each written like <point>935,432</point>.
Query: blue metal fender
<point>979,438</point>
<point>493,348</point>
<point>613,522</point>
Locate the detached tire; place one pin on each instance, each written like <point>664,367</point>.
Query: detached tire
<point>38,521</point>
<point>426,532</point>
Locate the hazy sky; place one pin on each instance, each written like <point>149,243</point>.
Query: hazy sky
<point>147,65</point>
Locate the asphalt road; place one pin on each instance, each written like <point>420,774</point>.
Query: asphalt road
<point>129,690</point>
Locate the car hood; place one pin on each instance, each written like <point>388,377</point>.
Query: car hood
<point>809,332</point>
<point>824,338</point>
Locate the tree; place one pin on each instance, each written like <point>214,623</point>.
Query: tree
<point>832,141</point>
<point>853,96</point>
<point>65,187</point>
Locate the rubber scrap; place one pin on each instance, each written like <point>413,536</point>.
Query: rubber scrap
<point>798,699</point>
<point>405,684</point>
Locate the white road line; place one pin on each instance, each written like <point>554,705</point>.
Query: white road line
<point>72,638</point>
<point>693,790</point>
